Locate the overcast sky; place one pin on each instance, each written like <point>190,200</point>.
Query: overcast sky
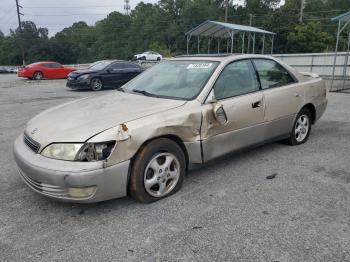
<point>56,15</point>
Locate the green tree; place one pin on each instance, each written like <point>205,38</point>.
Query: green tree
<point>309,38</point>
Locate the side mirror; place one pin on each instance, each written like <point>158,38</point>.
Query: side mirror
<point>220,114</point>
<point>218,109</point>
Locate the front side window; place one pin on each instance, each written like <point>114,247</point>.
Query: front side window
<point>173,79</point>
<point>272,74</point>
<point>238,78</point>
<point>100,65</point>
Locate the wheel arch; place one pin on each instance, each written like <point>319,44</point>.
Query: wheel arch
<point>172,137</point>
<point>37,71</point>
<point>312,110</point>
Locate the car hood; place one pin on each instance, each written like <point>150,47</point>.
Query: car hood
<point>77,121</point>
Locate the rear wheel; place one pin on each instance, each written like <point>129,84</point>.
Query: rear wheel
<point>302,128</point>
<point>96,84</point>
<point>38,76</point>
<point>157,171</point>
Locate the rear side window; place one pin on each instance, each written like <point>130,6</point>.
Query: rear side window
<point>117,65</point>
<point>238,78</point>
<point>55,65</point>
<point>131,65</point>
<point>272,74</point>
<point>46,65</point>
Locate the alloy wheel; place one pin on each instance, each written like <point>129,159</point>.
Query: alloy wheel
<point>161,174</point>
<point>302,128</point>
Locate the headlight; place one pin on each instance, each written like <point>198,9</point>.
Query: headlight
<point>79,152</point>
<point>86,76</point>
<point>62,151</point>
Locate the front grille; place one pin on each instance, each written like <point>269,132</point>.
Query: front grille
<point>50,190</point>
<point>33,145</point>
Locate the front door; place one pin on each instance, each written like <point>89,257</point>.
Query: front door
<point>237,91</point>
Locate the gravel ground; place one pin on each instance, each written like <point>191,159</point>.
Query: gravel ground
<point>226,211</point>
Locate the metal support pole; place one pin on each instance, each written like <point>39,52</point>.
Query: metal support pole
<point>209,41</point>
<point>254,43</point>
<point>312,63</point>
<point>198,44</point>
<point>273,38</point>
<point>188,42</point>
<point>232,42</point>
<point>227,46</point>
<point>250,24</point>
<point>346,61</point>
<point>335,55</point>
<point>243,43</point>
<point>263,45</point>
<point>218,45</point>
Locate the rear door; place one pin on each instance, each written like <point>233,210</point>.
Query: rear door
<point>113,75</point>
<point>237,91</point>
<point>283,97</point>
<point>130,71</point>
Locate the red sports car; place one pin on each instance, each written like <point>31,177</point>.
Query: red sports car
<point>46,70</point>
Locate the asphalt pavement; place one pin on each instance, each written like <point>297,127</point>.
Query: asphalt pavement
<point>227,210</point>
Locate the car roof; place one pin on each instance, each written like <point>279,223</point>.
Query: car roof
<point>219,57</point>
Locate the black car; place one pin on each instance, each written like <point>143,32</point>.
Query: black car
<point>104,74</point>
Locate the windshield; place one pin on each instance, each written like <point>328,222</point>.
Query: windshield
<point>100,65</point>
<point>173,79</point>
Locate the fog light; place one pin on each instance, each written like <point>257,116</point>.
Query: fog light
<point>81,192</point>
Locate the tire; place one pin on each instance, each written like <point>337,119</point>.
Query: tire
<point>301,128</point>
<point>143,58</point>
<point>157,171</point>
<point>158,59</point>
<point>96,84</point>
<point>37,75</point>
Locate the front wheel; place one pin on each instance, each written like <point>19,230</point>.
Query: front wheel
<point>302,128</point>
<point>158,59</point>
<point>157,171</point>
<point>96,84</point>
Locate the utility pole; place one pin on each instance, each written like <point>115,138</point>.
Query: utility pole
<point>226,9</point>
<point>20,29</point>
<point>302,5</point>
<point>127,6</point>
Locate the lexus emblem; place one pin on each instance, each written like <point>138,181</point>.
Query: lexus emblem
<point>34,131</point>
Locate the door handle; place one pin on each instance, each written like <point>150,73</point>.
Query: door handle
<point>297,95</point>
<point>256,104</point>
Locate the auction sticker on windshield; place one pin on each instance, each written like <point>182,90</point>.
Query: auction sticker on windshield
<point>199,66</point>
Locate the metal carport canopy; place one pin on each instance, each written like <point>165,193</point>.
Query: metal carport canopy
<point>343,21</point>
<point>219,29</point>
<point>215,29</point>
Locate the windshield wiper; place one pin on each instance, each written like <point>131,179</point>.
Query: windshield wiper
<point>145,93</point>
<point>119,88</point>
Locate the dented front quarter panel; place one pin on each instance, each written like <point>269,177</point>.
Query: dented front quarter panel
<point>183,122</point>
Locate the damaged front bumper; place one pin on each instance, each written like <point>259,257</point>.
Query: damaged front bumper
<point>82,182</point>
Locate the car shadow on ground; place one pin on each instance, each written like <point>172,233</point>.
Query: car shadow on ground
<point>195,173</point>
